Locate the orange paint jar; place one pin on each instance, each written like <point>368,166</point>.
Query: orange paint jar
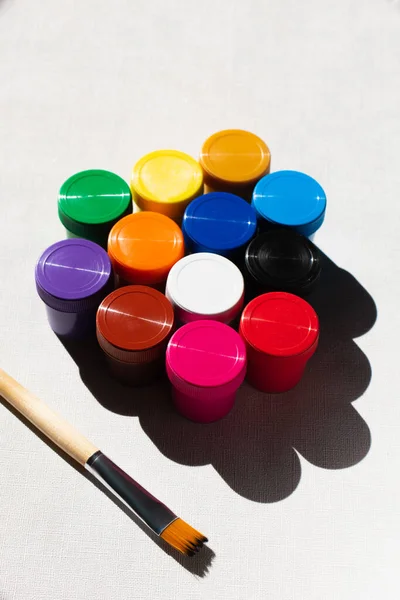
<point>233,161</point>
<point>143,247</point>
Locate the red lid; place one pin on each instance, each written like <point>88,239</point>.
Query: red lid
<point>279,324</point>
<point>134,319</point>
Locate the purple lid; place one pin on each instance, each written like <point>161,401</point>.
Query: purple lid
<point>72,275</point>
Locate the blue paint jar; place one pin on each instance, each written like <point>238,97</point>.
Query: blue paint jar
<point>220,223</point>
<point>290,199</point>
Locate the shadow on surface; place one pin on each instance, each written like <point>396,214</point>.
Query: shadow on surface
<point>254,448</point>
<point>4,5</point>
<point>199,565</point>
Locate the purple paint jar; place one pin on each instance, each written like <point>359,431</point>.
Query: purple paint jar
<point>72,278</point>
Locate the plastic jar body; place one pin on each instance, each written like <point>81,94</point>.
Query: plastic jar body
<point>219,223</point>
<point>273,374</point>
<point>72,278</point>
<point>143,247</point>
<point>205,286</point>
<point>281,260</point>
<point>133,327</point>
<point>166,181</point>
<point>74,325</point>
<point>281,333</point>
<point>289,199</point>
<point>206,364</point>
<point>91,202</point>
<point>233,161</point>
<point>136,374</point>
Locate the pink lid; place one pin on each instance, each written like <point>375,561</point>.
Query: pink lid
<point>206,354</point>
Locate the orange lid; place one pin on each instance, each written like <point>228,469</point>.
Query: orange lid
<point>236,156</point>
<point>144,246</point>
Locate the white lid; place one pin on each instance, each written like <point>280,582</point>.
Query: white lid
<point>205,284</point>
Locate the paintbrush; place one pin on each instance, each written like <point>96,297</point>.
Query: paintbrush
<point>158,517</point>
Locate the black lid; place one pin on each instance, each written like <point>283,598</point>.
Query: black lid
<point>283,260</point>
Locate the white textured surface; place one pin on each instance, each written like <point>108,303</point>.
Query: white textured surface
<point>96,84</point>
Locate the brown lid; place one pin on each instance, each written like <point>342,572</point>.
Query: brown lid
<point>133,321</point>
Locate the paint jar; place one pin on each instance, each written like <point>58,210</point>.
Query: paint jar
<point>220,223</point>
<point>133,326</point>
<point>290,199</point>
<point>281,260</point>
<point>143,247</point>
<point>205,286</point>
<point>72,278</point>
<point>206,364</point>
<point>281,334</point>
<point>90,202</point>
<point>233,161</point>
<point>166,181</point>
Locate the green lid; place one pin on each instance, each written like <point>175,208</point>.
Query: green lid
<point>93,197</point>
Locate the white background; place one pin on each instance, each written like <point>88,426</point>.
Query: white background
<point>96,84</point>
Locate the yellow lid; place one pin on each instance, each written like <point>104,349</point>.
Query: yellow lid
<point>235,156</point>
<point>165,181</point>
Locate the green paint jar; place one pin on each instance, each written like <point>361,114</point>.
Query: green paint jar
<point>91,202</point>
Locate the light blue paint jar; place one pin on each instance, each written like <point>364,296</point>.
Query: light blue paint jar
<point>290,199</point>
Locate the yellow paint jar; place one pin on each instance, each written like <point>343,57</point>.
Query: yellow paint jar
<point>233,161</point>
<point>165,181</point>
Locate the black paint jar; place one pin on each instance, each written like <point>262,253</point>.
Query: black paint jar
<point>281,260</point>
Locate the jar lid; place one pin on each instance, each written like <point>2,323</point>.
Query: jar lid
<point>144,246</point>
<point>206,354</point>
<point>219,221</point>
<point>165,181</point>
<point>205,284</point>
<point>134,318</point>
<point>290,198</point>
<point>279,324</point>
<point>234,155</point>
<point>93,197</point>
<point>70,274</point>
<point>284,260</point>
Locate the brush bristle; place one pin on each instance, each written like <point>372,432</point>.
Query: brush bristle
<point>183,537</point>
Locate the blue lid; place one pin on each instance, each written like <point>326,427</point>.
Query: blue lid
<point>218,222</point>
<point>71,274</point>
<point>291,199</point>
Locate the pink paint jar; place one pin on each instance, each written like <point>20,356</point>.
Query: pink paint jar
<point>206,364</point>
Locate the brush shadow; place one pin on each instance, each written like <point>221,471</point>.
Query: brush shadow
<point>199,565</point>
<point>256,448</point>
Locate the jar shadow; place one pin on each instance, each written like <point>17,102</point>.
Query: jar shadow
<point>256,448</point>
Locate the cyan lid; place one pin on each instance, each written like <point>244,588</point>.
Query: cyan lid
<point>219,222</point>
<point>291,199</point>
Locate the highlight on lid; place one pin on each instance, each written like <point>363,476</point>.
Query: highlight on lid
<point>90,202</point>
<point>206,364</point>
<point>205,286</point>
<point>220,223</point>
<point>72,278</point>
<point>290,199</point>
<point>165,181</point>
<point>143,247</point>
<point>233,160</point>
<point>133,327</point>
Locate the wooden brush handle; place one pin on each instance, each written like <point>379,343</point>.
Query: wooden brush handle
<point>48,422</point>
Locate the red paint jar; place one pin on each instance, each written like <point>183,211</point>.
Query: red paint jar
<point>281,334</point>
<point>133,326</point>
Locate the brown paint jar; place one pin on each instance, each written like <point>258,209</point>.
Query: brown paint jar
<point>133,326</point>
